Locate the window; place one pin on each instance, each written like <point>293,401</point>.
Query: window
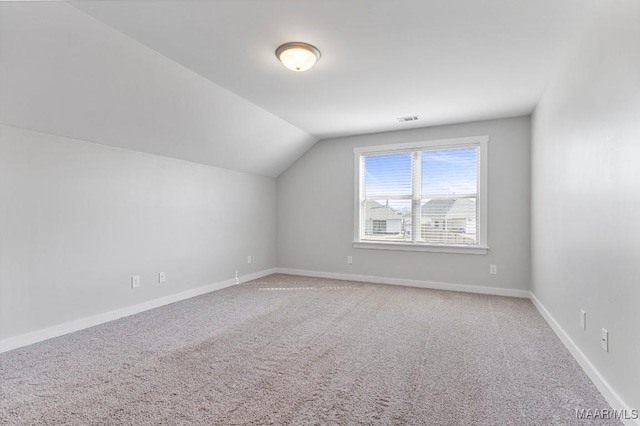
<point>422,196</point>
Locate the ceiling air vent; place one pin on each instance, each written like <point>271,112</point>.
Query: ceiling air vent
<point>408,118</point>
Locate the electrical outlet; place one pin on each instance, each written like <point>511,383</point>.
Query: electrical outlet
<point>349,260</point>
<point>161,277</point>
<point>605,340</point>
<point>135,281</point>
<point>493,269</point>
<point>249,259</point>
<point>583,319</point>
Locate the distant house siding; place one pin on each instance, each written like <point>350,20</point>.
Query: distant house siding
<point>451,221</point>
<point>389,226</point>
<point>382,220</point>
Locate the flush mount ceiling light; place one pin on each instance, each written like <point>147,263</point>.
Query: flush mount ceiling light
<point>297,56</point>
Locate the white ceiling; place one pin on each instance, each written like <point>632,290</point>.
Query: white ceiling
<point>199,80</point>
<point>445,60</point>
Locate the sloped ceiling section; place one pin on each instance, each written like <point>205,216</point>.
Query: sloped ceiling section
<point>66,73</point>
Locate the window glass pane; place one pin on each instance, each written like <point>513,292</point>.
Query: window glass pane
<point>387,220</point>
<point>450,171</point>
<point>426,195</point>
<point>387,205</point>
<point>387,175</point>
<point>449,221</point>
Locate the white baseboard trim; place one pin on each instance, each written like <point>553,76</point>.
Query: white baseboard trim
<point>80,324</point>
<point>603,386</point>
<point>409,283</point>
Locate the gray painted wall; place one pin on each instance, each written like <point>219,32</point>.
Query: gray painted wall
<point>586,196</point>
<point>77,219</point>
<point>315,211</point>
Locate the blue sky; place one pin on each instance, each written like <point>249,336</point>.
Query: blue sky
<point>448,171</point>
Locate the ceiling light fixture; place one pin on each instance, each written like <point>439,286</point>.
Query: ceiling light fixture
<point>297,56</point>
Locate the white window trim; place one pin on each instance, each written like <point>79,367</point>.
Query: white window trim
<point>481,248</point>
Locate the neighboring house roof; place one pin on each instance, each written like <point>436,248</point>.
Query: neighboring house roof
<point>461,208</point>
<point>377,211</point>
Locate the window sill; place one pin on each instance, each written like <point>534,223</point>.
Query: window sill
<point>377,245</point>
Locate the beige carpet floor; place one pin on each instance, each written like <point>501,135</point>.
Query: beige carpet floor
<point>294,350</point>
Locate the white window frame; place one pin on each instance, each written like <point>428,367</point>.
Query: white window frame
<point>481,247</point>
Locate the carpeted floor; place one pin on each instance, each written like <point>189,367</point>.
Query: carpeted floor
<point>294,350</point>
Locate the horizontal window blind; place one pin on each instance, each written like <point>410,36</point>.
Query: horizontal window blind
<point>449,199</point>
<point>424,195</point>
<point>387,196</point>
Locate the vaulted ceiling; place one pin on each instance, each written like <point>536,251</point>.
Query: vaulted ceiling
<point>199,80</point>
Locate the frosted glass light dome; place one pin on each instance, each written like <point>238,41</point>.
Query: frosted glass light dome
<point>298,56</point>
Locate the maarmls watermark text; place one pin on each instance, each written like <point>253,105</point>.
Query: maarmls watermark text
<point>606,413</point>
